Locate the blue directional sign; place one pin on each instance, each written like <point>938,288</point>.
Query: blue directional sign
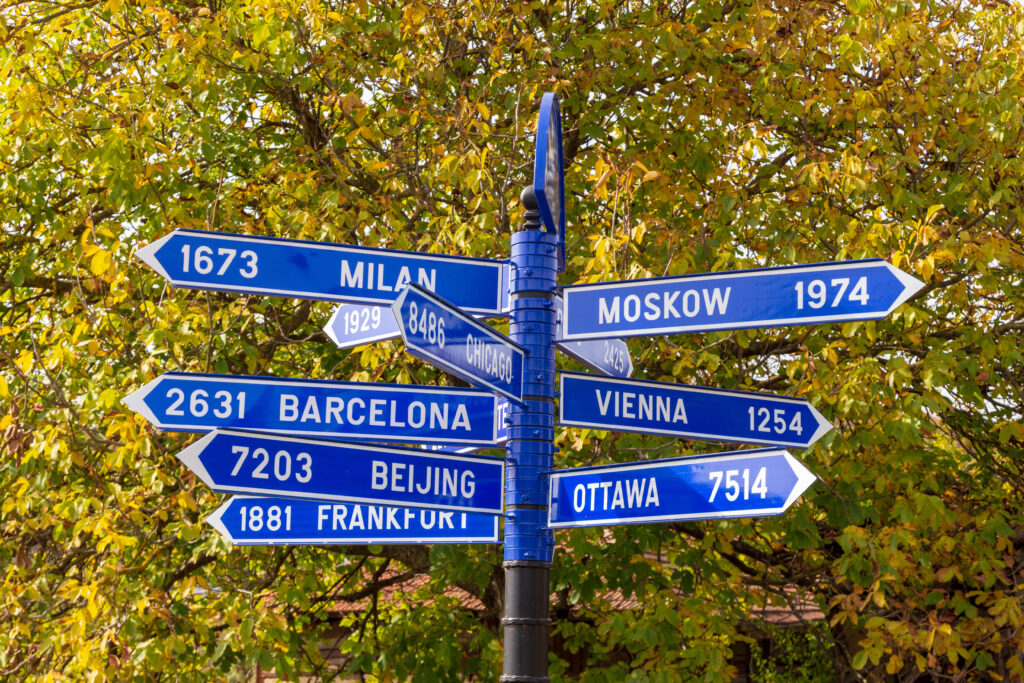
<point>688,412</point>
<point>738,484</point>
<point>397,413</point>
<point>357,324</point>
<point>320,270</point>
<point>548,173</point>
<point>610,356</point>
<point>231,461</point>
<point>768,297</point>
<point>441,334</point>
<point>245,520</point>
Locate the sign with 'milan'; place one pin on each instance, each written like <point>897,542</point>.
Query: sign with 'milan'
<point>320,270</point>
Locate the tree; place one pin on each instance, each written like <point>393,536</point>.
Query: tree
<point>699,137</point>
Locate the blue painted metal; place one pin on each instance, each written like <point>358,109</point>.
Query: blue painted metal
<point>766,297</point>
<point>397,413</point>
<point>549,177</point>
<point>319,270</point>
<point>246,520</point>
<point>443,335</point>
<point>688,412</point>
<point>532,429</point>
<point>739,484</point>
<point>231,461</point>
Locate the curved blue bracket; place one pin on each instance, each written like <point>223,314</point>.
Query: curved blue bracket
<point>549,172</point>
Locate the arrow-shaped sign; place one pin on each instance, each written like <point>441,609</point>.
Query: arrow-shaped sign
<point>245,520</point>
<point>397,413</point>
<point>356,324</point>
<point>449,338</point>
<point>688,412</point>
<point>320,270</point>
<point>769,297</point>
<point>610,356</point>
<point>231,461</point>
<point>739,484</point>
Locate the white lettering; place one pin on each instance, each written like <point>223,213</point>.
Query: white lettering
<point>468,484</point>
<point>350,278</point>
<point>691,303</point>
<point>631,308</point>
<point>380,475</point>
<point>608,314</point>
<point>351,418</point>
<point>289,411</point>
<point>311,411</point>
<point>603,405</point>
<point>716,300</point>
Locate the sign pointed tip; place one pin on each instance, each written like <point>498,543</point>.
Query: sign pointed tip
<point>823,425</point>
<point>911,286</point>
<point>329,326</point>
<point>147,255</point>
<point>216,520</point>
<point>804,479</point>
<point>190,457</point>
<point>136,402</point>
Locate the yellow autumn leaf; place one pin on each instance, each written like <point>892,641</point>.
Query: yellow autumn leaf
<point>100,262</point>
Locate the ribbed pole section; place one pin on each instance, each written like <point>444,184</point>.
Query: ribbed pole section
<point>529,544</point>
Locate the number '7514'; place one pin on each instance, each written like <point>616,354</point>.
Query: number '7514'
<point>737,483</point>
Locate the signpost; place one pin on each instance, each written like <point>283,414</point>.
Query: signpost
<point>767,297</point>
<point>739,484</point>
<point>231,461</point>
<point>319,270</point>
<point>396,413</point>
<point>441,334</point>
<point>688,412</point>
<point>339,492</point>
<point>244,520</point>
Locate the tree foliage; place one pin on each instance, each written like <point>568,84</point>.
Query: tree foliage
<point>699,136</point>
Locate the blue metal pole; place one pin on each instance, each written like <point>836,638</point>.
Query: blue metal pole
<point>529,544</point>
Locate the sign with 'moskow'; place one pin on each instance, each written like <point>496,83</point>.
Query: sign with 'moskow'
<point>320,270</point>
<point>768,297</point>
<point>397,413</point>
<point>688,412</point>
<point>245,520</point>
<point>738,484</point>
<point>231,461</point>
<point>441,334</point>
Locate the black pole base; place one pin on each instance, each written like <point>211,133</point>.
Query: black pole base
<point>526,623</point>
